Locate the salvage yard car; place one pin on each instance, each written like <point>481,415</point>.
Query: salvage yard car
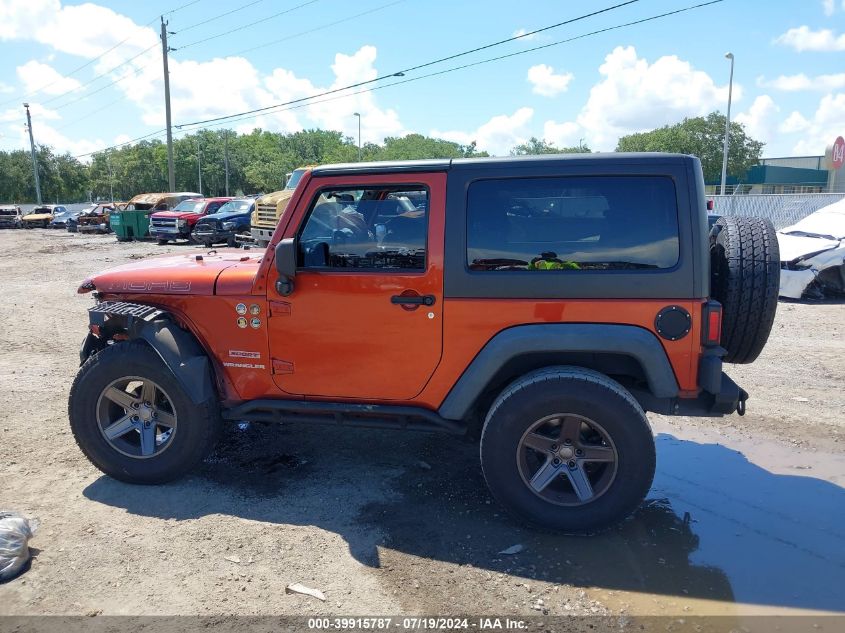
<point>541,304</point>
<point>168,226</point>
<point>812,254</point>
<point>40,217</point>
<point>96,219</point>
<point>225,224</point>
<point>61,217</point>
<point>10,216</point>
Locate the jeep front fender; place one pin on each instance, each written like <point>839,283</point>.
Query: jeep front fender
<point>561,338</point>
<point>178,349</point>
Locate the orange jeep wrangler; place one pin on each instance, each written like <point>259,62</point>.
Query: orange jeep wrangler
<point>540,304</point>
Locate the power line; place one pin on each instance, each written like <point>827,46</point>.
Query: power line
<point>129,75</point>
<point>402,72</point>
<point>297,103</point>
<point>94,59</point>
<point>96,77</point>
<point>221,15</point>
<point>246,26</point>
<point>315,29</point>
<point>469,65</point>
<point>119,145</point>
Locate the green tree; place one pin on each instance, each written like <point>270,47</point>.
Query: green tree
<point>703,137</point>
<point>535,146</point>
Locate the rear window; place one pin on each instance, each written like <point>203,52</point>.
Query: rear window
<point>572,223</point>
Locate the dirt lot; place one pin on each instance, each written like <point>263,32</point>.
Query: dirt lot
<point>401,523</point>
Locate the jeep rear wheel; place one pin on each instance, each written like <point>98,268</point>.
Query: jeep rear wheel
<point>568,449</point>
<point>745,279</point>
<point>134,421</point>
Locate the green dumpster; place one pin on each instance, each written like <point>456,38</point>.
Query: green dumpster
<point>133,222</point>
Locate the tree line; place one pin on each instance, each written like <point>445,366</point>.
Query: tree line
<point>258,161</point>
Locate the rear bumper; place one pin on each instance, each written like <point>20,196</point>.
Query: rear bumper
<point>729,398</point>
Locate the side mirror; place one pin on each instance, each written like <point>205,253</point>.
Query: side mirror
<point>285,266</point>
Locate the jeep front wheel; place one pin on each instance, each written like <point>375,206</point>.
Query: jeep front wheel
<point>134,421</point>
<point>568,449</point>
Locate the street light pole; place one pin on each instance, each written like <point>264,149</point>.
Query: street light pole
<point>729,56</point>
<point>34,158</point>
<point>359,135</point>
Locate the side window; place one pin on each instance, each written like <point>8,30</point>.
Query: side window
<point>375,228</point>
<point>572,223</point>
<point>212,207</point>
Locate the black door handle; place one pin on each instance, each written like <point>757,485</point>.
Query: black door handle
<point>413,300</point>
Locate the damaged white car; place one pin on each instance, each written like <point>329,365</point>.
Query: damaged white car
<point>812,255</point>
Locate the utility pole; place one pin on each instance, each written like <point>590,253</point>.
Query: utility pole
<point>171,174</point>
<point>34,159</point>
<point>729,56</point>
<point>199,165</point>
<point>226,158</point>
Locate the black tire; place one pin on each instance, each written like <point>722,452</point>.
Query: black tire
<point>162,242</point>
<point>196,433</point>
<point>568,391</point>
<point>745,279</point>
<point>231,242</point>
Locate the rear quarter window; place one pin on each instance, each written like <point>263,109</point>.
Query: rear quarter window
<point>572,223</point>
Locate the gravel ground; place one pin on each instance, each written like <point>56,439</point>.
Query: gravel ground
<point>384,522</point>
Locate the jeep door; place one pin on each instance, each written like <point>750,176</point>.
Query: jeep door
<point>364,319</point>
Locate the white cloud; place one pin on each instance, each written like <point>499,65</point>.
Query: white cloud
<point>803,39</point>
<point>566,134</point>
<point>498,136</point>
<point>829,6</point>
<point>801,82</point>
<point>759,120</point>
<point>521,32</point>
<point>636,96</point>
<point>38,112</point>
<point>545,82</point>
<point>5,88</point>
<point>795,122</point>
<point>826,124</point>
<point>36,76</point>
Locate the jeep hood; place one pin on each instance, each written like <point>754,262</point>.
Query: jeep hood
<point>194,274</point>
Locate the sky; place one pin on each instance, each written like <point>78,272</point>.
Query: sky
<point>92,72</point>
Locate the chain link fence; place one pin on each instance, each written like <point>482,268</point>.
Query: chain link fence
<point>783,209</point>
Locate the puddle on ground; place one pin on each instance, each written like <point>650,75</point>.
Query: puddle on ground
<point>757,531</point>
<point>723,532</point>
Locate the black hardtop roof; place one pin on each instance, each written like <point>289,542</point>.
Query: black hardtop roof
<point>544,160</point>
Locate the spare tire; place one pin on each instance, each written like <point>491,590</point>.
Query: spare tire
<point>744,278</point>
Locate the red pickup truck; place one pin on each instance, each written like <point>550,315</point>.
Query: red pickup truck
<point>168,226</point>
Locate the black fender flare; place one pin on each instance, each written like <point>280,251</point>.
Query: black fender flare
<point>628,340</point>
<point>177,348</point>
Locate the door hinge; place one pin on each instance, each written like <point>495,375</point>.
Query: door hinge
<point>282,366</point>
<point>279,308</point>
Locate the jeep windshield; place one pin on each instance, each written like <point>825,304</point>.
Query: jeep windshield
<point>190,206</point>
<point>295,177</point>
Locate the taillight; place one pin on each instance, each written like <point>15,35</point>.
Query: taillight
<point>712,326</point>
